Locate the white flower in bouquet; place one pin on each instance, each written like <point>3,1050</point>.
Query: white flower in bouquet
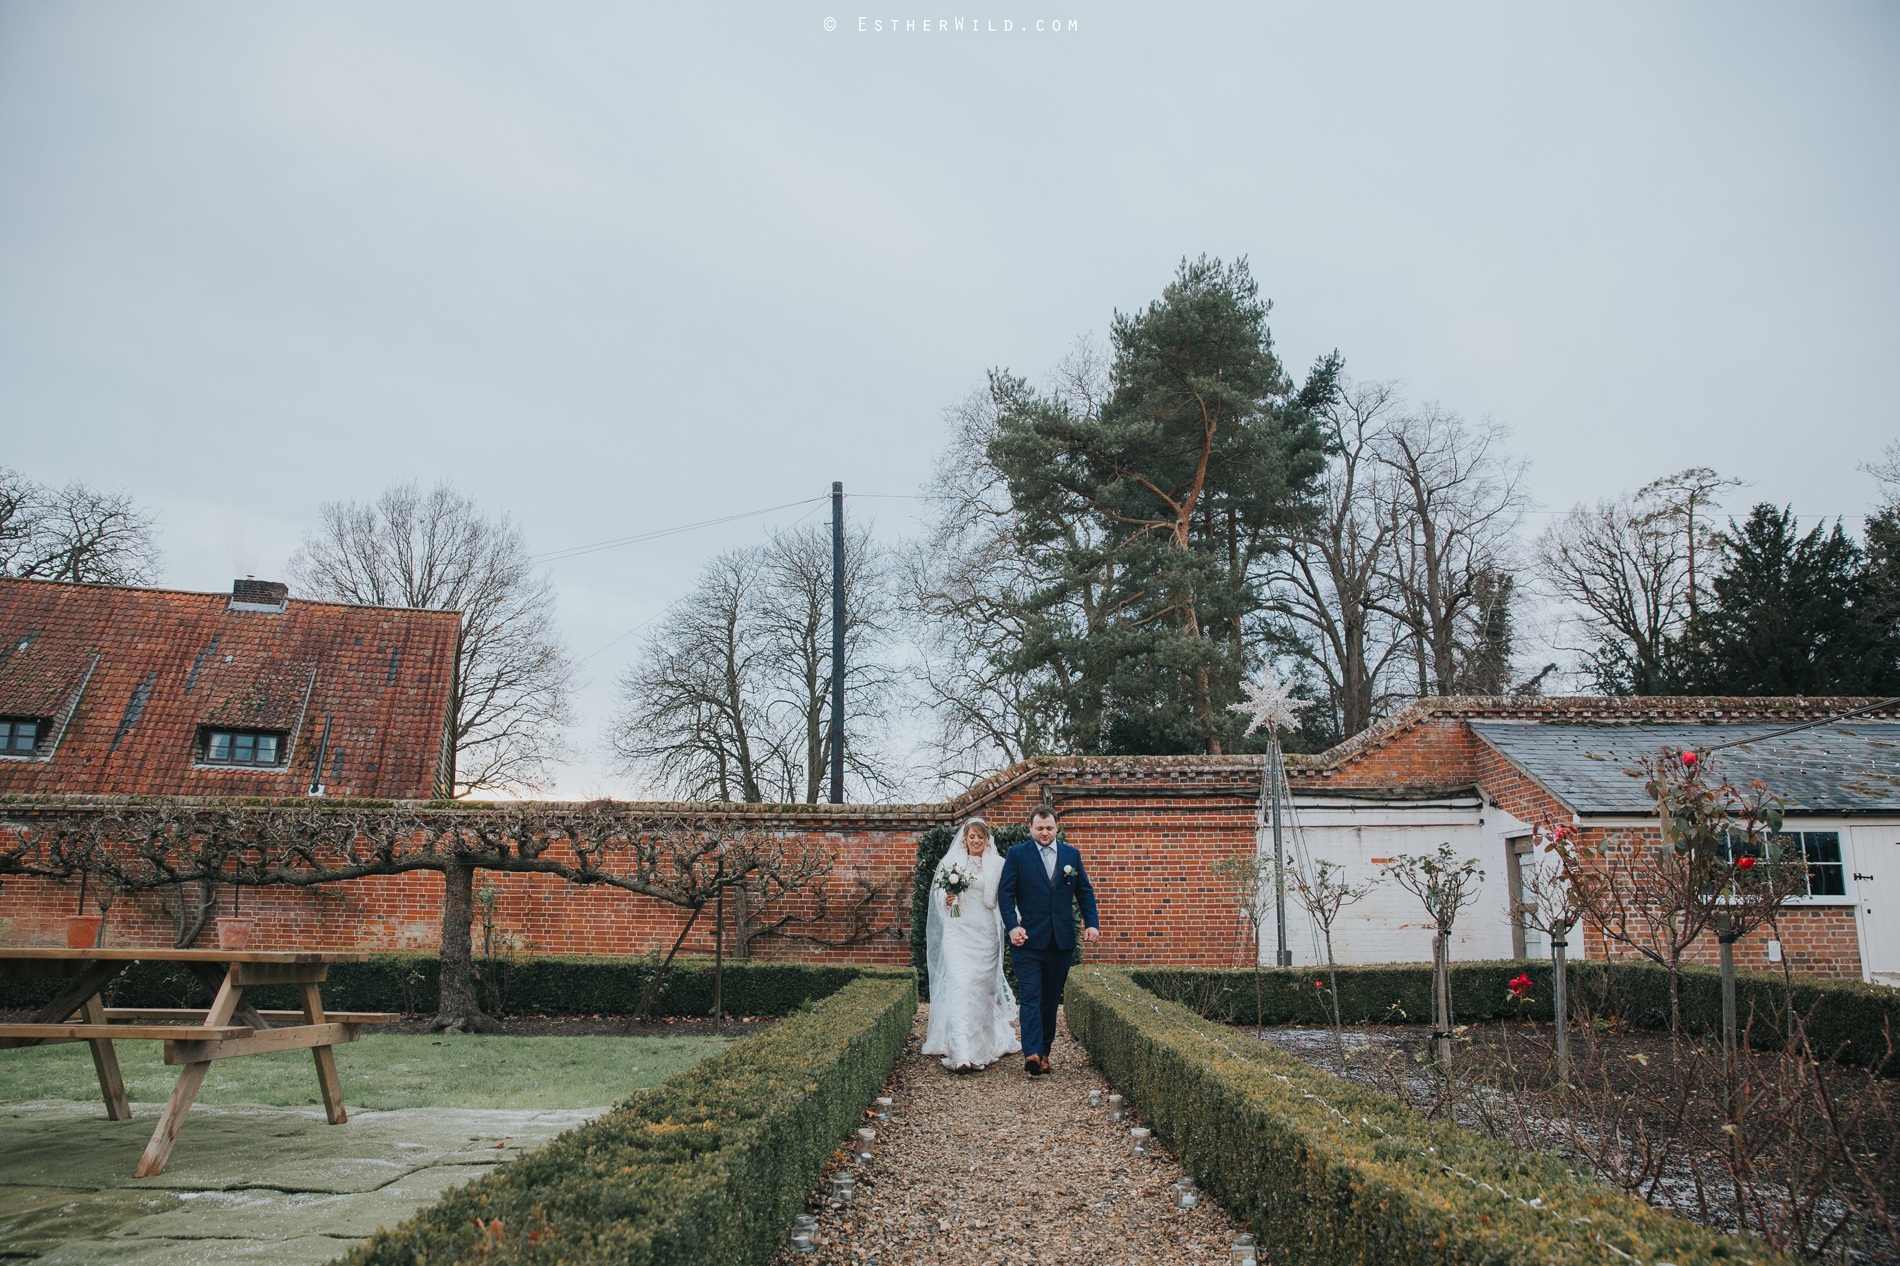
<point>955,880</point>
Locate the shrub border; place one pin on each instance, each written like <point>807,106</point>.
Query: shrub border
<point>709,1166</point>
<point>1330,1172</point>
<point>540,984</point>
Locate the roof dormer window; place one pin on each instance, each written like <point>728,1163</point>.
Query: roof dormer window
<point>20,736</point>
<point>250,748</point>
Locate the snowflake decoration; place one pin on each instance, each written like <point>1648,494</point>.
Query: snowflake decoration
<point>1269,705</point>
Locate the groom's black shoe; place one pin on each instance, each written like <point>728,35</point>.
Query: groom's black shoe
<point>1033,1065</point>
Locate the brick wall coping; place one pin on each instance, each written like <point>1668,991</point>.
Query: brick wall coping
<point>1585,710</point>
<point>793,816</point>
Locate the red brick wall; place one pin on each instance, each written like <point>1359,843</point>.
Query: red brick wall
<point>1818,940</point>
<point>537,913</point>
<point>1150,830</point>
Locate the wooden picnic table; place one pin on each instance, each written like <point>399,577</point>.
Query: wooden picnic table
<point>228,1028</point>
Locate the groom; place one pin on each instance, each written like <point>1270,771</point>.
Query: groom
<point>1041,879</point>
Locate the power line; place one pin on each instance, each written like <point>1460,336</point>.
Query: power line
<point>1806,725</point>
<point>576,551</point>
<point>623,637</point>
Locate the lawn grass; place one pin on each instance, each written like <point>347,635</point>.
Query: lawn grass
<point>381,1071</point>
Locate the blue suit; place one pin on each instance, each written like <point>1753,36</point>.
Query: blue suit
<point>1045,909</point>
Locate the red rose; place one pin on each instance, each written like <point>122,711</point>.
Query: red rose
<point>1747,863</point>
<point>1521,987</point>
<point>1688,758</point>
<point>1319,984</point>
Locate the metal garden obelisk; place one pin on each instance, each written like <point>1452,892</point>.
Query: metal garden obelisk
<point>1269,705</point>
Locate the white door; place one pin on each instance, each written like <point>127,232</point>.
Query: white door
<point>1875,858</point>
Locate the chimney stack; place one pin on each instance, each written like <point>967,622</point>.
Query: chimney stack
<point>252,594</point>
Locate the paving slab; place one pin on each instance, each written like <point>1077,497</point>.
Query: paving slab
<point>60,1144</point>
<point>279,1215</point>
<point>243,1183</point>
<point>308,1251</point>
<point>35,1220</point>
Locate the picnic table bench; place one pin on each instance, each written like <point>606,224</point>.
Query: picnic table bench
<point>193,1038</point>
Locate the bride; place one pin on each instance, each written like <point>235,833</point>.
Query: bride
<point>973,1014</point>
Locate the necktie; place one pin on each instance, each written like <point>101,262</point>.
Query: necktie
<point>1049,863</point>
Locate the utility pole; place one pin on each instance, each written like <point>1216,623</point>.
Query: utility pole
<point>837,643</point>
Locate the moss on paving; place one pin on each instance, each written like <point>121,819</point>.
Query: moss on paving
<point>381,1071</point>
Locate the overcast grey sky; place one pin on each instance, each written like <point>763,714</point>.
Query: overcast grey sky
<point>618,267</point>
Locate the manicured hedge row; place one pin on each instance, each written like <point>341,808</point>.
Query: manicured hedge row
<point>1330,1172</point>
<point>1842,1014</point>
<point>708,1167</point>
<point>581,985</point>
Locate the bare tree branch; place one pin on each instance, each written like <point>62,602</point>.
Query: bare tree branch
<point>730,699</point>
<point>1454,499</point>
<point>76,534</point>
<point>440,552</point>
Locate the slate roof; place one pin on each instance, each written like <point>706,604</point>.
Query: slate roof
<point>1839,767</point>
<point>126,678</point>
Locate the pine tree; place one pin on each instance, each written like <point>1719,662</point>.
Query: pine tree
<point>1156,511</point>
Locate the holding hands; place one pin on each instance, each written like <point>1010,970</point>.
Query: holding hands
<point>1017,936</point>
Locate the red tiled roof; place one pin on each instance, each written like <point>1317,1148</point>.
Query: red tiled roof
<point>126,678</point>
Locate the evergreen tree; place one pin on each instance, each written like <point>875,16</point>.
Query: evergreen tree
<point>1880,602</point>
<point>1155,512</point>
<point>1791,614</point>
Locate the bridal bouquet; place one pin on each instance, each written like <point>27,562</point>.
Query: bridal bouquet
<point>955,880</point>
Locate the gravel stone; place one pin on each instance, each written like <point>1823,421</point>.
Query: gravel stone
<point>999,1167</point>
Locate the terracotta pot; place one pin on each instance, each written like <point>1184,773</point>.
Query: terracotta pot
<point>235,934</point>
<point>82,930</point>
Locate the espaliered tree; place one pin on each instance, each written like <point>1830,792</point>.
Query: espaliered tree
<point>1159,507</point>
<point>686,861</point>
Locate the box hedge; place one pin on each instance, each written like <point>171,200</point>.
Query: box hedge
<point>542,985</point>
<point>708,1167</point>
<point>1842,1015</point>
<point>1330,1172</point>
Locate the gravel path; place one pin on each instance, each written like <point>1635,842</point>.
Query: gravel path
<point>999,1167</point>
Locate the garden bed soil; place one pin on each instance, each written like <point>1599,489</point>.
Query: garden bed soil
<point>1506,1085</point>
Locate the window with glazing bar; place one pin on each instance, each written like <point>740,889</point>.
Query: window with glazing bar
<point>242,747</point>
<point>19,735</point>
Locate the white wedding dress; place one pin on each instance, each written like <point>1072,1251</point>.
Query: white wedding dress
<point>973,1013</point>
